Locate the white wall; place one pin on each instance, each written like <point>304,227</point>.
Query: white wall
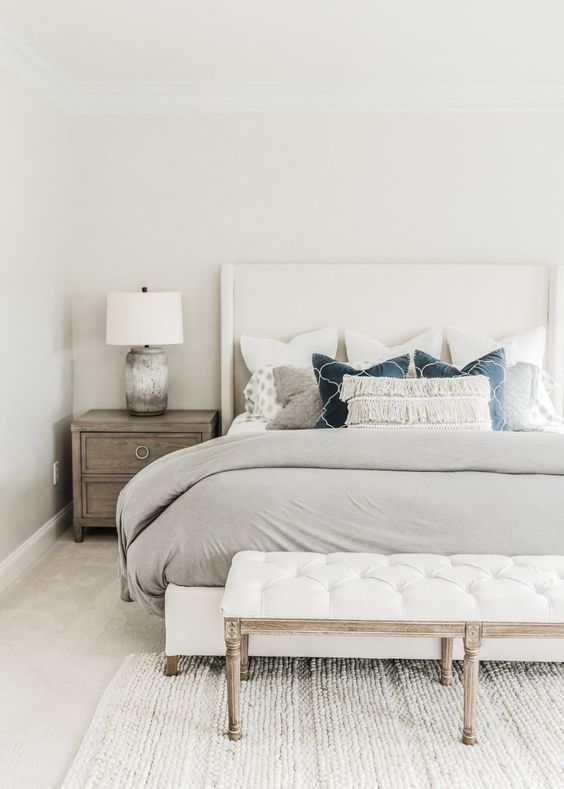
<point>162,201</point>
<point>92,204</point>
<point>35,327</point>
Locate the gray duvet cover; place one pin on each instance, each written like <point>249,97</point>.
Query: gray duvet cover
<point>183,518</point>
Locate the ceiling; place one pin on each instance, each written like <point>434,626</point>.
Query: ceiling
<point>446,43</point>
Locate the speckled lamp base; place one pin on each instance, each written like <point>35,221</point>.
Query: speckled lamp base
<point>146,381</point>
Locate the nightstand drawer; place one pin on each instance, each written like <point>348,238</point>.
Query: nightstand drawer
<point>99,496</point>
<point>128,453</point>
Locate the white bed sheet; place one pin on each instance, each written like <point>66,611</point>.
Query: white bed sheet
<point>244,423</point>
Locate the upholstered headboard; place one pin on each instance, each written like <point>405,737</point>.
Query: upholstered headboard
<point>391,302</point>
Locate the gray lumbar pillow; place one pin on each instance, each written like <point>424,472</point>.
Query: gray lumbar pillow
<point>298,394</point>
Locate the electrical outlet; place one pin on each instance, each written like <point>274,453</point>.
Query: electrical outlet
<point>56,472</point>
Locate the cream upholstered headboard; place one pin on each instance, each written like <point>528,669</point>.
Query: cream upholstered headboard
<point>391,302</point>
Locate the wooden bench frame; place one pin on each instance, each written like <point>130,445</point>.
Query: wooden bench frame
<point>237,631</point>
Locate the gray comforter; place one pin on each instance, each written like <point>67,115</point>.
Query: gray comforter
<point>183,518</point>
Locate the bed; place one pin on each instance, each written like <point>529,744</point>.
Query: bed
<point>184,516</point>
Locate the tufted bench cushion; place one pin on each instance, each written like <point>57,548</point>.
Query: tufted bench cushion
<point>415,587</point>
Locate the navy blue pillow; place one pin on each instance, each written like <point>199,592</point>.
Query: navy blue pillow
<point>492,365</point>
<point>329,375</point>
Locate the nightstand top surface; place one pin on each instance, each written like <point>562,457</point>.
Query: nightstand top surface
<point>119,420</point>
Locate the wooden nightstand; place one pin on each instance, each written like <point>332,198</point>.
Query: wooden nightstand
<point>110,447</point>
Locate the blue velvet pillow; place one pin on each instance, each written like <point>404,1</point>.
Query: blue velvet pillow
<point>492,365</point>
<point>329,375</point>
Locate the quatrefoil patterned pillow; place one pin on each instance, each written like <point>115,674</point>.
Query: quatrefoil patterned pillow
<point>329,374</point>
<point>492,365</point>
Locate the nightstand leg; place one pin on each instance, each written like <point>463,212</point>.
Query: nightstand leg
<point>78,532</point>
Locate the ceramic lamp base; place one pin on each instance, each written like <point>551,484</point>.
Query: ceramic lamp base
<point>146,381</point>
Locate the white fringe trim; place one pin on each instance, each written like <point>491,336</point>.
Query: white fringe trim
<point>463,386</point>
<point>415,427</point>
<point>430,403</point>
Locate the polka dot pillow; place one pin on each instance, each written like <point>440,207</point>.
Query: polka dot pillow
<point>261,399</point>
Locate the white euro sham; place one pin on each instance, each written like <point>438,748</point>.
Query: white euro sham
<point>360,346</point>
<point>528,347</point>
<point>261,352</point>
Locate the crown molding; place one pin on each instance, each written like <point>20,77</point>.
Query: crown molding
<point>186,98</point>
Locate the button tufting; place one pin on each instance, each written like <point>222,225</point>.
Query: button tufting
<point>414,586</point>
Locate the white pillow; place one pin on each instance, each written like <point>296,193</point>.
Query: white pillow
<point>258,352</point>
<point>261,397</point>
<point>527,404</point>
<point>359,346</point>
<point>465,346</point>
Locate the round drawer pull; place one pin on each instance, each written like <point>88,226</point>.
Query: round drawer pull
<point>142,452</point>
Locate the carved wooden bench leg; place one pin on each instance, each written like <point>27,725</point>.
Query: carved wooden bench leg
<point>233,668</point>
<point>446,661</point>
<point>245,657</point>
<point>171,665</point>
<point>472,641</point>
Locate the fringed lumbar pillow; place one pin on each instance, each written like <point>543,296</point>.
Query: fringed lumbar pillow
<point>418,404</point>
<point>329,375</point>
<point>492,365</point>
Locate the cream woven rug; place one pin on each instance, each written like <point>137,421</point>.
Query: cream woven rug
<point>323,723</point>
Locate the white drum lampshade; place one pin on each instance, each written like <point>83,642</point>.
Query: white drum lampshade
<point>145,321</point>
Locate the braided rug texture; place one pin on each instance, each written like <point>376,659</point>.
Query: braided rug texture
<point>323,723</point>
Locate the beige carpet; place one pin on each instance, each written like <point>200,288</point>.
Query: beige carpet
<point>323,723</point>
<point>63,635</point>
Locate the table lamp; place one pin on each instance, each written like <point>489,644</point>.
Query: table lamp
<point>145,321</point>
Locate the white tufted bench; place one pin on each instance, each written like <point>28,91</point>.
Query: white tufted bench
<point>471,597</point>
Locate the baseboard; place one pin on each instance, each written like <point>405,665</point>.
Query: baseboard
<point>18,561</point>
